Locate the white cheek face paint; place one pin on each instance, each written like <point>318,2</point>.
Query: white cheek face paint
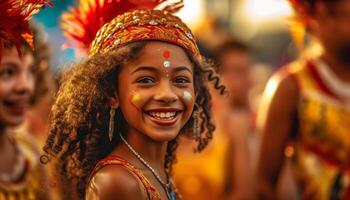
<point>187,96</point>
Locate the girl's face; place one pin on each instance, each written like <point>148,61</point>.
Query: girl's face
<point>16,85</point>
<point>156,91</point>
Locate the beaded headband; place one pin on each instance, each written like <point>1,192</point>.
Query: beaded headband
<point>127,23</point>
<point>143,25</point>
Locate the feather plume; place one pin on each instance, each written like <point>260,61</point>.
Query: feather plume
<point>14,21</point>
<point>82,23</point>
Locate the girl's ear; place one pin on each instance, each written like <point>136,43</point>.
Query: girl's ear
<point>114,102</point>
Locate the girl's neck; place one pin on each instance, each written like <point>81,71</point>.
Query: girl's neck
<point>153,152</point>
<point>5,142</point>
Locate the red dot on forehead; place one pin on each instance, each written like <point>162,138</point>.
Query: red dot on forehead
<point>166,54</point>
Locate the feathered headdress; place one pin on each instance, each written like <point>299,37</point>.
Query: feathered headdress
<point>297,25</point>
<point>100,25</point>
<point>14,18</point>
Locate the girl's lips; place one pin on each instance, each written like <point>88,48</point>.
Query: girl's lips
<point>17,108</point>
<point>164,117</point>
<point>164,122</point>
<point>164,110</point>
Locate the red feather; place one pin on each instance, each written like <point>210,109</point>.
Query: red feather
<point>14,17</point>
<point>83,22</point>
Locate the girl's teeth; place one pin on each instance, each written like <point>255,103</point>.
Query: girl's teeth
<point>163,115</point>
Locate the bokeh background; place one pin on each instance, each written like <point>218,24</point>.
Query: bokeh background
<point>263,25</point>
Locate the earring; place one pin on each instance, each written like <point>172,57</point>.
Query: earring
<point>196,130</point>
<point>111,124</point>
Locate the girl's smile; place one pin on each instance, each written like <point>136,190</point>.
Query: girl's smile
<point>17,84</point>
<point>164,116</point>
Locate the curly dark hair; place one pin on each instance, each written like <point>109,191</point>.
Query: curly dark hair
<point>79,118</point>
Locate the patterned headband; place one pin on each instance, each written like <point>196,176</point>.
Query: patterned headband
<point>143,25</point>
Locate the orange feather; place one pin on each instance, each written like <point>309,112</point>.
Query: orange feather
<point>81,23</point>
<point>14,21</point>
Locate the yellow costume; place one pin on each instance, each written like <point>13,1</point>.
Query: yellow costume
<point>28,185</point>
<point>201,175</point>
<point>322,147</point>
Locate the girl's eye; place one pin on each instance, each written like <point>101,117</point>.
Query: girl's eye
<point>146,80</point>
<point>6,73</point>
<point>182,80</point>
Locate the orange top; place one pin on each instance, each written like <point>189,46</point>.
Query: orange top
<point>115,160</point>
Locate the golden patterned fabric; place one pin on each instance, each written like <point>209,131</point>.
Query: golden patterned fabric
<point>141,25</point>
<point>30,186</point>
<point>322,158</point>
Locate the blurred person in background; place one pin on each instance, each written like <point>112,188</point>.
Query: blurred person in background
<point>307,105</point>
<point>235,66</point>
<point>224,169</point>
<point>21,175</point>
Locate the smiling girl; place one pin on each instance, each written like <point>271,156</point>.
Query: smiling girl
<point>21,175</point>
<point>119,114</point>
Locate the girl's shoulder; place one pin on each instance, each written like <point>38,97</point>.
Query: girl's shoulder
<point>115,177</point>
<point>114,181</point>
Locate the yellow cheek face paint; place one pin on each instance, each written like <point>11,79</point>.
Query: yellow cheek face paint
<point>135,99</point>
<point>187,96</point>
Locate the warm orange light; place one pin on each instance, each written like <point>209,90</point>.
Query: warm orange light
<point>265,10</point>
<point>192,13</point>
<point>270,90</point>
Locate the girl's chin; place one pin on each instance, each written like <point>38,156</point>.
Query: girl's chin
<point>14,121</point>
<point>162,136</point>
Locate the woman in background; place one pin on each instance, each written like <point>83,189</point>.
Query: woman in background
<point>307,103</point>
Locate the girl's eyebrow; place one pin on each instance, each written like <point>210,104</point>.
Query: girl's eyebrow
<point>152,69</point>
<point>181,68</point>
<point>9,64</point>
<point>144,68</point>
